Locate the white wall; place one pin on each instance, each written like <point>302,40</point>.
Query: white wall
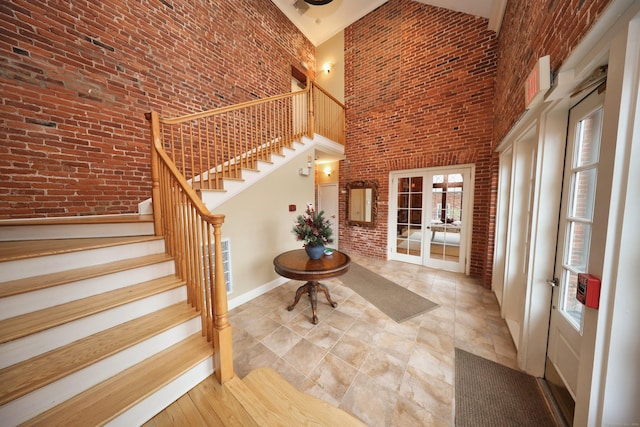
<point>610,390</point>
<point>259,223</point>
<point>332,51</point>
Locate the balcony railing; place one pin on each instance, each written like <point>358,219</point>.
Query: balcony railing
<point>209,146</point>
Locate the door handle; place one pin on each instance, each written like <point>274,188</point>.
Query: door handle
<point>553,282</point>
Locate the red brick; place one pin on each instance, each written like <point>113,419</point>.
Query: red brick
<point>163,59</point>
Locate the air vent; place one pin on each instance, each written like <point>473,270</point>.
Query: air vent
<point>226,262</point>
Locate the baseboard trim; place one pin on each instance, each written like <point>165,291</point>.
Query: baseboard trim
<point>260,290</point>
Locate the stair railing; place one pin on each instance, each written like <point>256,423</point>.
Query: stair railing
<point>328,115</point>
<point>197,151</point>
<point>213,145</point>
<point>191,232</point>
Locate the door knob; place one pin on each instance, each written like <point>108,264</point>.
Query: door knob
<point>553,282</point>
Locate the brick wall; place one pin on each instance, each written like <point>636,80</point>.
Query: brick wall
<point>419,85</point>
<point>77,77</point>
<point>531,30</point>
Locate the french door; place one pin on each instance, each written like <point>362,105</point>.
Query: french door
<point>430,217</point>
<point>574,237</point>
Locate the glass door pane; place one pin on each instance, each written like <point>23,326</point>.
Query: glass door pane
<point>446,216</point>
<point>409,216</point>
<point>579,215</point>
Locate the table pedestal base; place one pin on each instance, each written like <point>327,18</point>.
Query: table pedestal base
<point>311,288</point>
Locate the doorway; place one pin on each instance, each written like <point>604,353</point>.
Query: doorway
<point>328,202</point>
<point>430,218</point>
<point>573,246</point>
<point>522,175</point>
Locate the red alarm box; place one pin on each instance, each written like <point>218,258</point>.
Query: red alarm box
<point>588,292</point>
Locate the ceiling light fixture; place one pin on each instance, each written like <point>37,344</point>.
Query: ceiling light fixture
<point>318,2</point>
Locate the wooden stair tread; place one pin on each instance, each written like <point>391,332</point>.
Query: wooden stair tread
<point>23,325</point>
<point>15,250</point>
<point>107,400</point>
<point>15,287</point>
<point>88,219</point>
<point>299,408</point>
<point>29,375</point>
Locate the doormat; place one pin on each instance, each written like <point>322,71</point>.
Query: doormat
<point>490,394</point>
<point>397,302</point>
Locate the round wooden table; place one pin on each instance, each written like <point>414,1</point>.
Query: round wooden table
<point>297,265</point>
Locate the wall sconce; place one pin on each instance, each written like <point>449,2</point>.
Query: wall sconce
<point>327,170</point>
<point>326,67</point>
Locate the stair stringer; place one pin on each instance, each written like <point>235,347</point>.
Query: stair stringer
<point>213,199</point>
<point>232,187</point>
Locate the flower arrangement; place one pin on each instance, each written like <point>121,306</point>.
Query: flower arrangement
<point>312,228</point>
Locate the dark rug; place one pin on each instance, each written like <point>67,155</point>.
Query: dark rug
<point>490,394</point>
<point>392,299</point>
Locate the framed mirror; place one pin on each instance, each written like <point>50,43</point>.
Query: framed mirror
<point>362,203</point>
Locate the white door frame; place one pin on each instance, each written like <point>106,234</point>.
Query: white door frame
<point>607,388</point>
<point>333,217</point>
<point>467,215</point>
<point>502,221</point>
<point>564,340</point>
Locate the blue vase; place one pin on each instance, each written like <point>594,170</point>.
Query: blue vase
<point>314,251</point>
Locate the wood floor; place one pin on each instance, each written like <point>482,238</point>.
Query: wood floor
<point>262,398</point>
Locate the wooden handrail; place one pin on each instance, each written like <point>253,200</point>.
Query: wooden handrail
<point>329,117</point>
<point>191,231</point>
<point>221,110</point>
<point>197,151</point>
<point>326,93</point>
<point>218,144</point>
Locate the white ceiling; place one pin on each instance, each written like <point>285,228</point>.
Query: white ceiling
<point>320,23</point>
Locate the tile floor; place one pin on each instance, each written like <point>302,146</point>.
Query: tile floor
<point>357,358</point>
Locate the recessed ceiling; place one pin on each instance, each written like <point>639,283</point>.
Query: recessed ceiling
<point>320,23</point>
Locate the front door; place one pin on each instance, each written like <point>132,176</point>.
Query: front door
<point>574,238</point>
<point>430,217</point>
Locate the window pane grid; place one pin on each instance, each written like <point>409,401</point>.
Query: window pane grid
<point>579,213</point>
<point>587,146</point>
<point>571,308</point>
<point>409,216</point>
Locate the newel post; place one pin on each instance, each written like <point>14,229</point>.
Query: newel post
<point>222,339</point>
<point>310,121</point>
<point>155,175</point>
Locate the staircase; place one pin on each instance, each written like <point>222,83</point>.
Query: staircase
<point>93,329</point>
<point>96,330</point>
